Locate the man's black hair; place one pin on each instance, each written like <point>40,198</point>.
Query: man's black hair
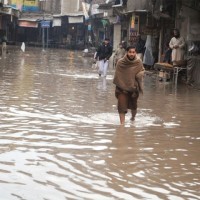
<point>130,47</point>
<point>175,29</point>
<point>178,32</point>
<point>107,39</point>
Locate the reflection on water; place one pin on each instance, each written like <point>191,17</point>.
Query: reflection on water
<point>60,136</point>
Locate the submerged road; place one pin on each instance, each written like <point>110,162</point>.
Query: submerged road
<point>60,137</point>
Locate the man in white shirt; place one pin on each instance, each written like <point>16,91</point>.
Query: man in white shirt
<point>177,44</point>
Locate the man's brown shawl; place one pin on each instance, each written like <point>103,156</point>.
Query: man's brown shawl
<point>129,74</point>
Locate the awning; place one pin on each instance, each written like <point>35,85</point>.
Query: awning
<point>35,17</point>
<point>29,24</point>
<point>9,10</point>
<point>56,22</point>
<point>75,19</point>
<point>135,12</point>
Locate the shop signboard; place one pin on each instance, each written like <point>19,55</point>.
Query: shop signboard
<point>132,22</point>
<point>29,24</point>
<point>26,5</point>
<point>6,10</point>
<point>134,29</point>
<point>45,24</point>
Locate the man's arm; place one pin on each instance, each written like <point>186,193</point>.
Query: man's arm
<point>140,79</point>
<point>171,45</point>
<point>182,43</point>
<point>98,52</point>
<point>110,52</point>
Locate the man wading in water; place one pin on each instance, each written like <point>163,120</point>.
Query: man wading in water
<point>129,82</point>
<point>104,53</point>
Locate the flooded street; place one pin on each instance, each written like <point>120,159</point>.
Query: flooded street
<point>60,137</point>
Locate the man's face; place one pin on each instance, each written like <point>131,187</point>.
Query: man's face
<point>175,33</point>
<point>106,42</point>
<point>131,53</point>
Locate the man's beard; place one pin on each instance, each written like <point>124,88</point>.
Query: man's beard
<point>177,36</point>
<point>131,59</point>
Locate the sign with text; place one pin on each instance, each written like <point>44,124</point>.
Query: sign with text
<point>26,5</point>
<point>45,24</point>
<point>6,10</point>
<point>28,24</point>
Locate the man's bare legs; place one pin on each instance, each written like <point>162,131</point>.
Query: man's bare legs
<point>123,99</point>
<point>133,112</point>
<point>122,118</point>
<point>122,106</point>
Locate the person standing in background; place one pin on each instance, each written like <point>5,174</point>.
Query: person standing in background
<point>140,47</point>
<point>103,54</point>
<point>177,44</point>
<point>4,45</point>
<point>167,54</point>
<point>148,59</point>
<point>119,53</point>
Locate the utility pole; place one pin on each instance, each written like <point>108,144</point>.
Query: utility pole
<point>45,24</point>
<point>43,36</point>
<point>89,25</point>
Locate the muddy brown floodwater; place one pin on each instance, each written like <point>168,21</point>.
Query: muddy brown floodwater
<point>60,137</point>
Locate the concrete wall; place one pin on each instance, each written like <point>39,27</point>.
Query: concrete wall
<point>53,6</point>
<point>69,6</point>
<point>188,21</point>
<point>117,36</point>
<point>138,5</point>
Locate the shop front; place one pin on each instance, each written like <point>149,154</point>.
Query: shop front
<point>189,16</point>
<point>8,22</point>
<point>28,31</point>
<point>76,32</point>
<point>71,32</point>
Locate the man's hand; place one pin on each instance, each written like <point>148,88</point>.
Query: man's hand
<point>176,46</point>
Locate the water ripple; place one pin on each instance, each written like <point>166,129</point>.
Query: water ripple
<point>60,136</point>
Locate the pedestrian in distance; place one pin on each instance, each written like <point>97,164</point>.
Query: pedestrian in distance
<point>177,44</point>
<point>119,53</point>
<point>128,79</point>
<point>4,45</point>
<point>148,59</point>
<point>23,47</point>
<point>167,54</point>
<point>103,54</point>
<point>140,47</point>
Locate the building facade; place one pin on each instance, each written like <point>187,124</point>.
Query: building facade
<point>8,20</point>
<point>53,22</point>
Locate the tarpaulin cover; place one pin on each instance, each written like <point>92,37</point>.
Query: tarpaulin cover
<point>193,71</point>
